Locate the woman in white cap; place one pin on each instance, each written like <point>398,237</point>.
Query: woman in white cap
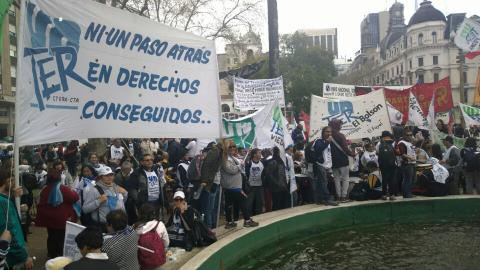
<point>104,197</point>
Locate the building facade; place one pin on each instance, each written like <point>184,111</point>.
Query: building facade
<point>325,38</point>
<point>421,52</point>
<point>8,72</point>
<point>247,49</point>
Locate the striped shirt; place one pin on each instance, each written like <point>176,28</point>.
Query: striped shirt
<point>121,248</point>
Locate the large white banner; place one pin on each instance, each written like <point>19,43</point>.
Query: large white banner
<point>88,70</point>
<point>256,94</point>
<point>363,117</point>
<point>332,90</point>
<point>415,115</point>
<point>468,35</point>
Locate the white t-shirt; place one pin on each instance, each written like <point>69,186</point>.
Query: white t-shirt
<point>369,156</point>
<point>41,177</point>
<point>327,158</point>
<point>116,153</point>
<point>255,177</point>
<point>153,186</point>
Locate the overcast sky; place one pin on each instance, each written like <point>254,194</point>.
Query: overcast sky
<point>346,16</point>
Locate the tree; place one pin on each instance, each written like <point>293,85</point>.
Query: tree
<point>213,19</point>
<point>304,70</point>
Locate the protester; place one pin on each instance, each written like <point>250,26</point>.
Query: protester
<point>231,181</point>
<point>89,242</point>
<point>71,157</point>
<point>123,176</point>
<point>369,155</point>
<point>86,178</point>
<point>121,242</point>
<point>388,165</point>
<point>55,208</point>
<point>66,177</point>
<point>153,236</point>
<point>451,161</point>
<point>422,155</point>
<point>340,163</point>
<point>102,198</point>
<point>17,254</point>
<point>209,185</point>
<point>40,175</point>
<point>406,151</point>
<point>50,156</point>
<point>322,164</point>
<point>374,180</point>
<point>145,184</point>
<point>117,152</point>
<point>471,166</point>
<point>5,239</point>
<point>148,220</point>
<point>275,178</point>
<point>147,147</point>
<point>185,229</point>
<point>253,171</point>
<point>175,152</point>
<point>298,136</point>
<point>94,161</point>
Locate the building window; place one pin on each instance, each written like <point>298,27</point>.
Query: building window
<point>435,59</point>
<point>235,60</point>
<point>465,78</point>
<point>411,41</point>
<point>420,39</point>
<point>420,61</point>
<point>420,78</point>
<point>398,70</point>
<point>434,37</point>
<point>388,74</point>
<point>410,63</point>
<point>410,80</point>
<point>3,112</point>
<point>435,77</point>
<point>401,68</point>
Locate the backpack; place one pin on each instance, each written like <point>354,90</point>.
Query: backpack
<point>310,152</point>
<point>151,240</point>
<point>194,171</point>
<point>359,192</point>
<point>386,156</point>
<point>470,160</point>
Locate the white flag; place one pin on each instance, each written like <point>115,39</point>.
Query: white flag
<point>467,37</point>
<point>415,114</point>
<point>471,115</point>
<point>431,114</point>
<point>396,117</point>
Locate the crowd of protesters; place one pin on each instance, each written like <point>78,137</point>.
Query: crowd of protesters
<point>143,196</point>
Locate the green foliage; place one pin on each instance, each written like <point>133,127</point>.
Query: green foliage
<point>304,70</point>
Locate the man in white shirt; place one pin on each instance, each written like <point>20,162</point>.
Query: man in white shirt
<point>117,152</point>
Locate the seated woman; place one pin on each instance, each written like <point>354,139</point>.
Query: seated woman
<point>147,221</point>
<point>431,182</point>
<point>184,227</point>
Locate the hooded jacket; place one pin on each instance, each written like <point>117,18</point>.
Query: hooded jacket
<point>339,156</point>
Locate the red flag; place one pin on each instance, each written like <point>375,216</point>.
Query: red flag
<point>472,55</point>
<point>306,118</point>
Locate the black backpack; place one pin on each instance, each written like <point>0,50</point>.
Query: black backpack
<point>386,155</point>
<point>470,160</point>
<point>310,152</point>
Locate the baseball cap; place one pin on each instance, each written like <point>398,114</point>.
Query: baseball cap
<point>386,133</point>
<point>179,194</point>
<point>105,170</point>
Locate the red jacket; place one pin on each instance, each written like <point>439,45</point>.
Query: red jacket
<point>56,217</point>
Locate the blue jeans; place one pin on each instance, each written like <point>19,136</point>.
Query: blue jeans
<point>320,182</point>
<point>208,206</point>
<point>408,172</point>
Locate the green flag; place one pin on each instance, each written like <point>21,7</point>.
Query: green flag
<point>4,7</point>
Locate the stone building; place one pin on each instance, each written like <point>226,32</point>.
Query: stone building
<point>421,51</point>
<point>8,71</point>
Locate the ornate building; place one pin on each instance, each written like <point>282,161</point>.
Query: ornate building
<point>422,51</point>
